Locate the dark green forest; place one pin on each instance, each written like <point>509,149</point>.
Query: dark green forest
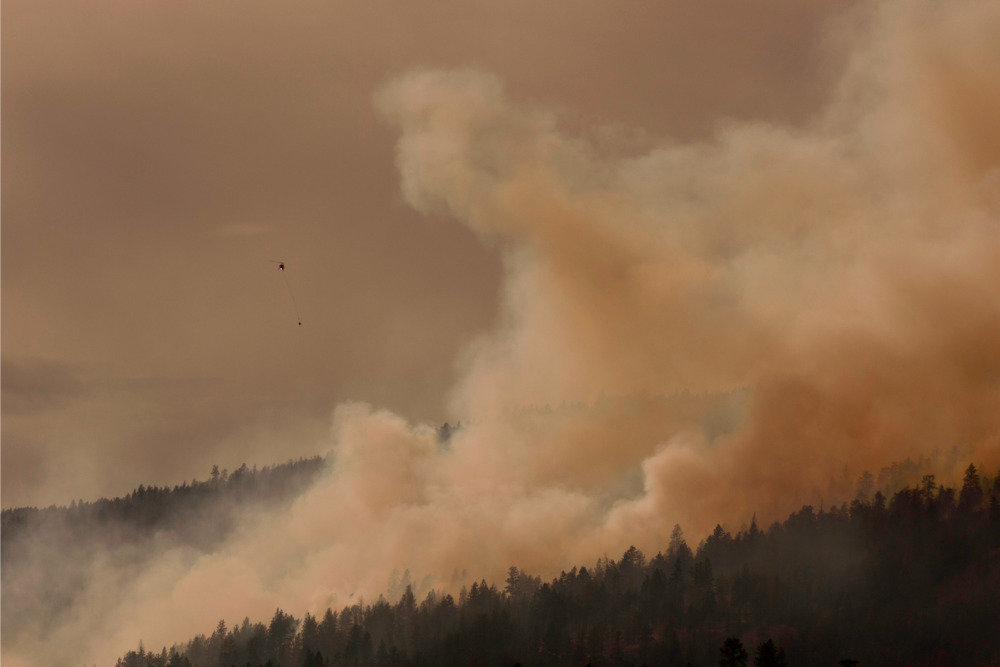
<point>912,578</point>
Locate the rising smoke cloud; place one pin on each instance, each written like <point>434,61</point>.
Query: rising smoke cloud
<point>841,278</point>
<point>846,271</point>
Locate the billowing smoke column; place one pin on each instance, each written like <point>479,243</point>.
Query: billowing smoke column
<point>828,296</point>
<point>847,272</point>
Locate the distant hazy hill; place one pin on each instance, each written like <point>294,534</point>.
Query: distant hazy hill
<point>184,510</point>
<point>54,558</point>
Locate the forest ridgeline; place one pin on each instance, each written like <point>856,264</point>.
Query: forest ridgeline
<point>913,579</point>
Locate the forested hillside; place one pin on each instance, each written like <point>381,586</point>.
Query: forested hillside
<point>182,509</point>
<point>909,579</point>
<point>57,558</point>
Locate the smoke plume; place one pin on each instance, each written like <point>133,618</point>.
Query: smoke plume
<point>690,334</point>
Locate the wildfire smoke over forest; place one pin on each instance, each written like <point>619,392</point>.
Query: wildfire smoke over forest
<point>721,328</point>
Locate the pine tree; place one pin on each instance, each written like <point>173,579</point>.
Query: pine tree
<point>732,653</point>
<point>769,655</point>
<point>971,496</point>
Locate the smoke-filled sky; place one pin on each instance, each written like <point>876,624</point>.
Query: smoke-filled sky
<point>156,156</point>
<point>668,263</point>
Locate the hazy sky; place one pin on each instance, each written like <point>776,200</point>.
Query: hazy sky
<point>157,154</point>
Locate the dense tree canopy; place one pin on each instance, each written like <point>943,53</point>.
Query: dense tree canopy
<point>910,579</point>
